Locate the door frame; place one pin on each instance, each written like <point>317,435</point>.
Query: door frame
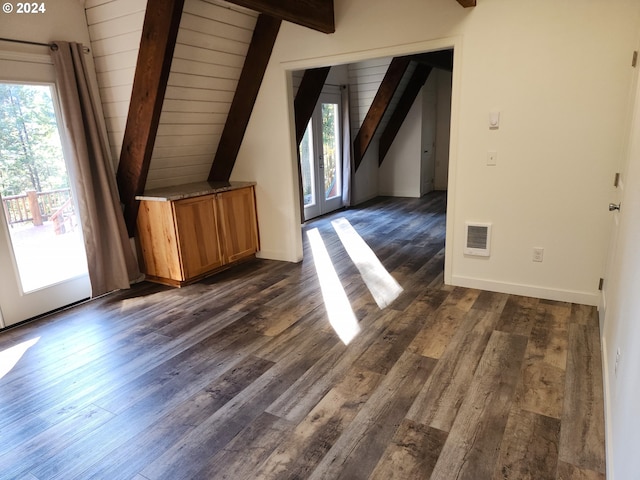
<point>30,69</point>
<point>323,205</point>
<point>455,43</point>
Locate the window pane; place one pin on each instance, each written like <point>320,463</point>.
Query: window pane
<point>331,150</point>
<point>306,166</point>
<point>34,185</point>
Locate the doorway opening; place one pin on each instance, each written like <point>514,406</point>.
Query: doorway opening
<point>413,162</point>
<point>407,150</point>
<point>321,159</point>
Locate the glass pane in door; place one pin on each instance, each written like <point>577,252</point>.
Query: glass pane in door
<point>39,210</point>
<point>307,167</point>
<point>331,150</point>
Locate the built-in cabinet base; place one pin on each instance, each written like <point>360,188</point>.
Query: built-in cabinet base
<point>192,237</point>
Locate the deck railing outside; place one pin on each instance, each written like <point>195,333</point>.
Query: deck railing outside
<point>36,207</point>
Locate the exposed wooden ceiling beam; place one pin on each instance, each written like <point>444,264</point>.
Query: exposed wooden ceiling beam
<point>442,59</point>
<point>385,93</point>
<point>159,32</point>
<point>467,3</point>
<point>409,95</point>
<point>315,14</point>
<point>307,97</point>
<point>255,65</point>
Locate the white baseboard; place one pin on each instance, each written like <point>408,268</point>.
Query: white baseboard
<point>583,298</point>
<point>608,443</point>
<point>399,194</point>
<point>277,255</point>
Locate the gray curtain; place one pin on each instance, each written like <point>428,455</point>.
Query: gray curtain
<point>110,258</point>
<point>347,148</point>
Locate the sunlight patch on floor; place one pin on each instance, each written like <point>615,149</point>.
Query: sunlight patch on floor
<point>336,302</point>
<point>379,281</point>
<point>10,357</point>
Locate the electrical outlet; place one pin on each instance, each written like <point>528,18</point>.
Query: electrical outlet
<point>538,254</point>
<point>615,367</point>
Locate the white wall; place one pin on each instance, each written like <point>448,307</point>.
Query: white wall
<point>562,121</point>
<point>399,174</point>
<point>621,326</point>
<point>364,80</point>
<point>409,166</point>
<point>443,124</point>
<point>63,20</point>
<point>338,75</point>
<point>366,180</point>
<point>429,127</point>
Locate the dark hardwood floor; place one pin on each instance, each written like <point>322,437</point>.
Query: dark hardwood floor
<point>241,376</point>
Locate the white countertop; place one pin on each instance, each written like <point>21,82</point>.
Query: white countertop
<point>189,190</point>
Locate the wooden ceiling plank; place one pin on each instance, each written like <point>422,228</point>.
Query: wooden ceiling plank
<point>255,65</point>
<point>315,14</point>
<point>385,93</point>
<point>307,97</point>
<point>409,95</point>
<point>159,32</point>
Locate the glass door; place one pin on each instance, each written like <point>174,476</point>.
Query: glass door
<point>42,258</point>
<point>321,159</point>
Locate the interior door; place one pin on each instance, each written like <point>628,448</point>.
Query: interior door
<point>615,258</point>
<point>43,264</point>
<point>427,169</point>
<point>321,158</point>
<point>611,266</point>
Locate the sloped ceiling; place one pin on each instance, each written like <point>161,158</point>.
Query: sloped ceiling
<point>210,50</point>
<point>115,28</point>
<point>212,43</point>
<point>203,80</point>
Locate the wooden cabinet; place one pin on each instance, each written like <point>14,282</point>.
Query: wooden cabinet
<point>185,240</point>
<point>238,222</point>
<point>199,246</point>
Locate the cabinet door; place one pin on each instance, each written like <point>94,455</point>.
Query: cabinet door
<point>239,223</point>
<point>158,240</point>
<point>198,238</point>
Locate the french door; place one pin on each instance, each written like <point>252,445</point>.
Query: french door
<point>43,264</point>
<point>321,158</point>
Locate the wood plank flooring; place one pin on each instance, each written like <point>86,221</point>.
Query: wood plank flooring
<point>241,376</point>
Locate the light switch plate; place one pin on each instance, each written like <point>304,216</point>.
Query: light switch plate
<point>492,158</point>
<point>494,120</point>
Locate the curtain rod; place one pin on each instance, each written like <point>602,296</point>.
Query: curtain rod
<point>52,46</point>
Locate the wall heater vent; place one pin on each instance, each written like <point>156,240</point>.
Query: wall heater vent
<point>478,239</point>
